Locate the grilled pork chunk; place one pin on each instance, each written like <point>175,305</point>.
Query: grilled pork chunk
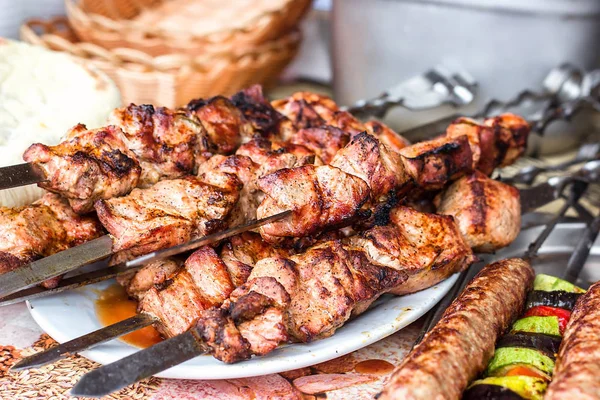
<point>386,135</point>
<point>265,120</point>
<point>320,197</point>
<point>225,124</point>
<point>324,141</point>
<point>137,283</point>
<point>487,212</point>
<point>88,166</point>
<point>169,213</point>
<point>499,141</point>
<point>428,247</point>
<point>433,163</point>
<point>205,280</point>
<point>166,143</point>
<point>374,163</point>
<point>46,227</point>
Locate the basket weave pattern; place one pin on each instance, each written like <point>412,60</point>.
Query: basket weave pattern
<point>172,79</point>
<point>108,24</point>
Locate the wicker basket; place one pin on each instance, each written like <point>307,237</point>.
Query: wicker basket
<point>108,23</point>
<point>169,80</point>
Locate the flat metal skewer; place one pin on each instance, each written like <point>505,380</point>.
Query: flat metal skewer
<point>85,342</point>
<point>145,363</point>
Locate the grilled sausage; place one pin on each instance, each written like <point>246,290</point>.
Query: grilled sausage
<point>577,371</point>
<point>459,347</point>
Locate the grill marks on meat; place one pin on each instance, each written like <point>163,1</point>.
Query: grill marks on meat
<point>46,227</point>
<point>169,213</point>
<point>166,143</point>
<point>428,247</point>
<point>89,165</point>
<point>433,163</point>
<point>577,371</point>
<point>487,212</point>
<point>319,197</point>
<point>459,347</point>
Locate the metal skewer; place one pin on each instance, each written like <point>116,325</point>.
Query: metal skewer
<point>84,342</point>
<point>95,250</point>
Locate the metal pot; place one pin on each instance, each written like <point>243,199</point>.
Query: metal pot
<point>507,45</point>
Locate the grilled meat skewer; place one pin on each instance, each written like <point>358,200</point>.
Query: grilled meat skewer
<point>412,241</point>
<point>459,342</point>
<point>577,372</point>
<point>370,174</point>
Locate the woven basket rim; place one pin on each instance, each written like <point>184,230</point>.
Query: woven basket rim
<point>170,63</point>
<point>125,28</point>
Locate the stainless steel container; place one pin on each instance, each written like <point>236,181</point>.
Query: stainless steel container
<point>507,45</point>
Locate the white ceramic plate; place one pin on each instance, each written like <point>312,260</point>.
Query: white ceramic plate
<point>68,315</point>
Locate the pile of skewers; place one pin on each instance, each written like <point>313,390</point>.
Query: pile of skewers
<point>359,200</point>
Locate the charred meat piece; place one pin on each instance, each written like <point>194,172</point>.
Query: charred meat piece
<point>165,142</point>
<point>88,166</point>
<point>577,371</point>
<point>169,213</point>
<point>428,247</point>
<point>511,133</point>
<point>435,162</point>
<point>368,159</point>
<point>324,141</point>
<point>266,121</point>
<point>226,126</point>
<point>46,227</point>
<point>319,197</point>
<point>460,345</point>
<point>386,135</point>
<point>306,110</point>
<point>487,212</point>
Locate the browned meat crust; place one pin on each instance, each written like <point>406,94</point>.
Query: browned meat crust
<point>265,120</point>
<point>577,370</point>
<point>169,213</point>
<point>428,247</point>
<point>386,135</point>
<point>137,283</point>
<point>488,212</point>
<point>166,143</point>
<point>306,110</point>
<point>459,347</point>
<point>319,197</point>
<point>433,163</point>
<point>225,125</point>
<point>323,141</point>
<point>89,165</point>
<point>368,159</point>
<point>46,227</point>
